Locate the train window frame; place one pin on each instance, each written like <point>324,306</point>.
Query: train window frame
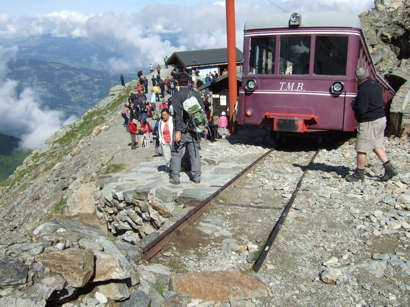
<point>262,60</point>
<point>298,60</point>
<point>334,50</point>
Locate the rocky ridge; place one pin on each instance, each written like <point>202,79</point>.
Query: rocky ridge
<point>387,31</point>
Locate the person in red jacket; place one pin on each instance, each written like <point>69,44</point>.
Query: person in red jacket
<point>133,132</point>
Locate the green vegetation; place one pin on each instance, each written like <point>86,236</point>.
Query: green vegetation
<point>259,252</point>
<point>114,168</point>
<point>159,288</point>
<point>90,120</point>
<point>10,162</point>
<point>10,155</point>
<point>57,209</point>
<point>166,248</point>
<point>222,198</point>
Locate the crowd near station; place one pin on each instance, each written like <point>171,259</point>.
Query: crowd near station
<point>149,115</point>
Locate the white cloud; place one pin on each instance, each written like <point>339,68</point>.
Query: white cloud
<point>160,29</point>
<point>23,114</point>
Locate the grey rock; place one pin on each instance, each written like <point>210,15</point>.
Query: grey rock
<point>377,256</point>
<point>38,266</point>
<point>22,302</point>
<point>119,190</point>
<point>165,194</point>
<point>137,299</point>
<point>141,192</point>
<point>46,286</point>
<point>116,291</point>
<point>163,280</point>
<point>32,248</point>
<point>404,199</point>
<point>12,272</point>
<point>300,207</point>
<point>193,194</point>
<point>214,220</point>
<point>173,299</point>
<point>90,244</point>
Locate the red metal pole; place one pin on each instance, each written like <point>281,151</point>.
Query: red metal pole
<point>231,36</point>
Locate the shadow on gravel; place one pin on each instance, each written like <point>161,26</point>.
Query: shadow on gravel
<point>339,170</point>
<point>253,136</point>
<point>258,136</point>
<point>310,142</point>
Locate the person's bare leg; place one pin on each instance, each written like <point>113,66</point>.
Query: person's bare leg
<point>361,159</point>
<point>381,154</point>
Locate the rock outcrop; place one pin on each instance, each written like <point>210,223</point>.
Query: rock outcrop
<point>387,31</point>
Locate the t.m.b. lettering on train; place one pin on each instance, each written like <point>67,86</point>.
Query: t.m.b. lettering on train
<point>290,86</point>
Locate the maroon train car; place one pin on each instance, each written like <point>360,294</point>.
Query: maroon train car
<point>298,72</point>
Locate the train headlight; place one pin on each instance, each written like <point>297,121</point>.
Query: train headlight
<point>295,20</point>
<point>251,85</point>
<point>337,88</point>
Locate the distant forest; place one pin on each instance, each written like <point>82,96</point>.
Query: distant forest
<point>10,155</point>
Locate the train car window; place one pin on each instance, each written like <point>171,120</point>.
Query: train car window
<point>262,55</point>
<point>294,55</point>
<point>330,55</point>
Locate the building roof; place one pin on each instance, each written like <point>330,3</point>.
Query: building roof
<point>239,75</point>
<point>199,58</point>
<point>308,20</point>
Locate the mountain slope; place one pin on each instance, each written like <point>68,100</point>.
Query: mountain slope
<point>75,52</point>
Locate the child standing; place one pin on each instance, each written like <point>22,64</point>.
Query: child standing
<point>146,128</point>
<point>222,124</point>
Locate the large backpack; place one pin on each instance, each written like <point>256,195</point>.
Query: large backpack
<point>196,120</point>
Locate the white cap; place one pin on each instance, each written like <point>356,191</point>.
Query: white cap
<point>223,113</point>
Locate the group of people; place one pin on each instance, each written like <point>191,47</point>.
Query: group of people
<point>170,133</point>
<point>136,112</point>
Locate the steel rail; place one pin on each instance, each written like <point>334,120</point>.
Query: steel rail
<point>152,248</point>
<point>282,218</point>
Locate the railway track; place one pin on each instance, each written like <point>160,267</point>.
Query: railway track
<point>237,201</point>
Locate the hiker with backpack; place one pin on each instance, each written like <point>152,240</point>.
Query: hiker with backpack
<point>186,130</point>
<point>172,86</point>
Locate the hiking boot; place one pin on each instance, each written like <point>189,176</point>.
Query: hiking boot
<point>173,181</point>
<point>389,171</point>
<point>356,176</point>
